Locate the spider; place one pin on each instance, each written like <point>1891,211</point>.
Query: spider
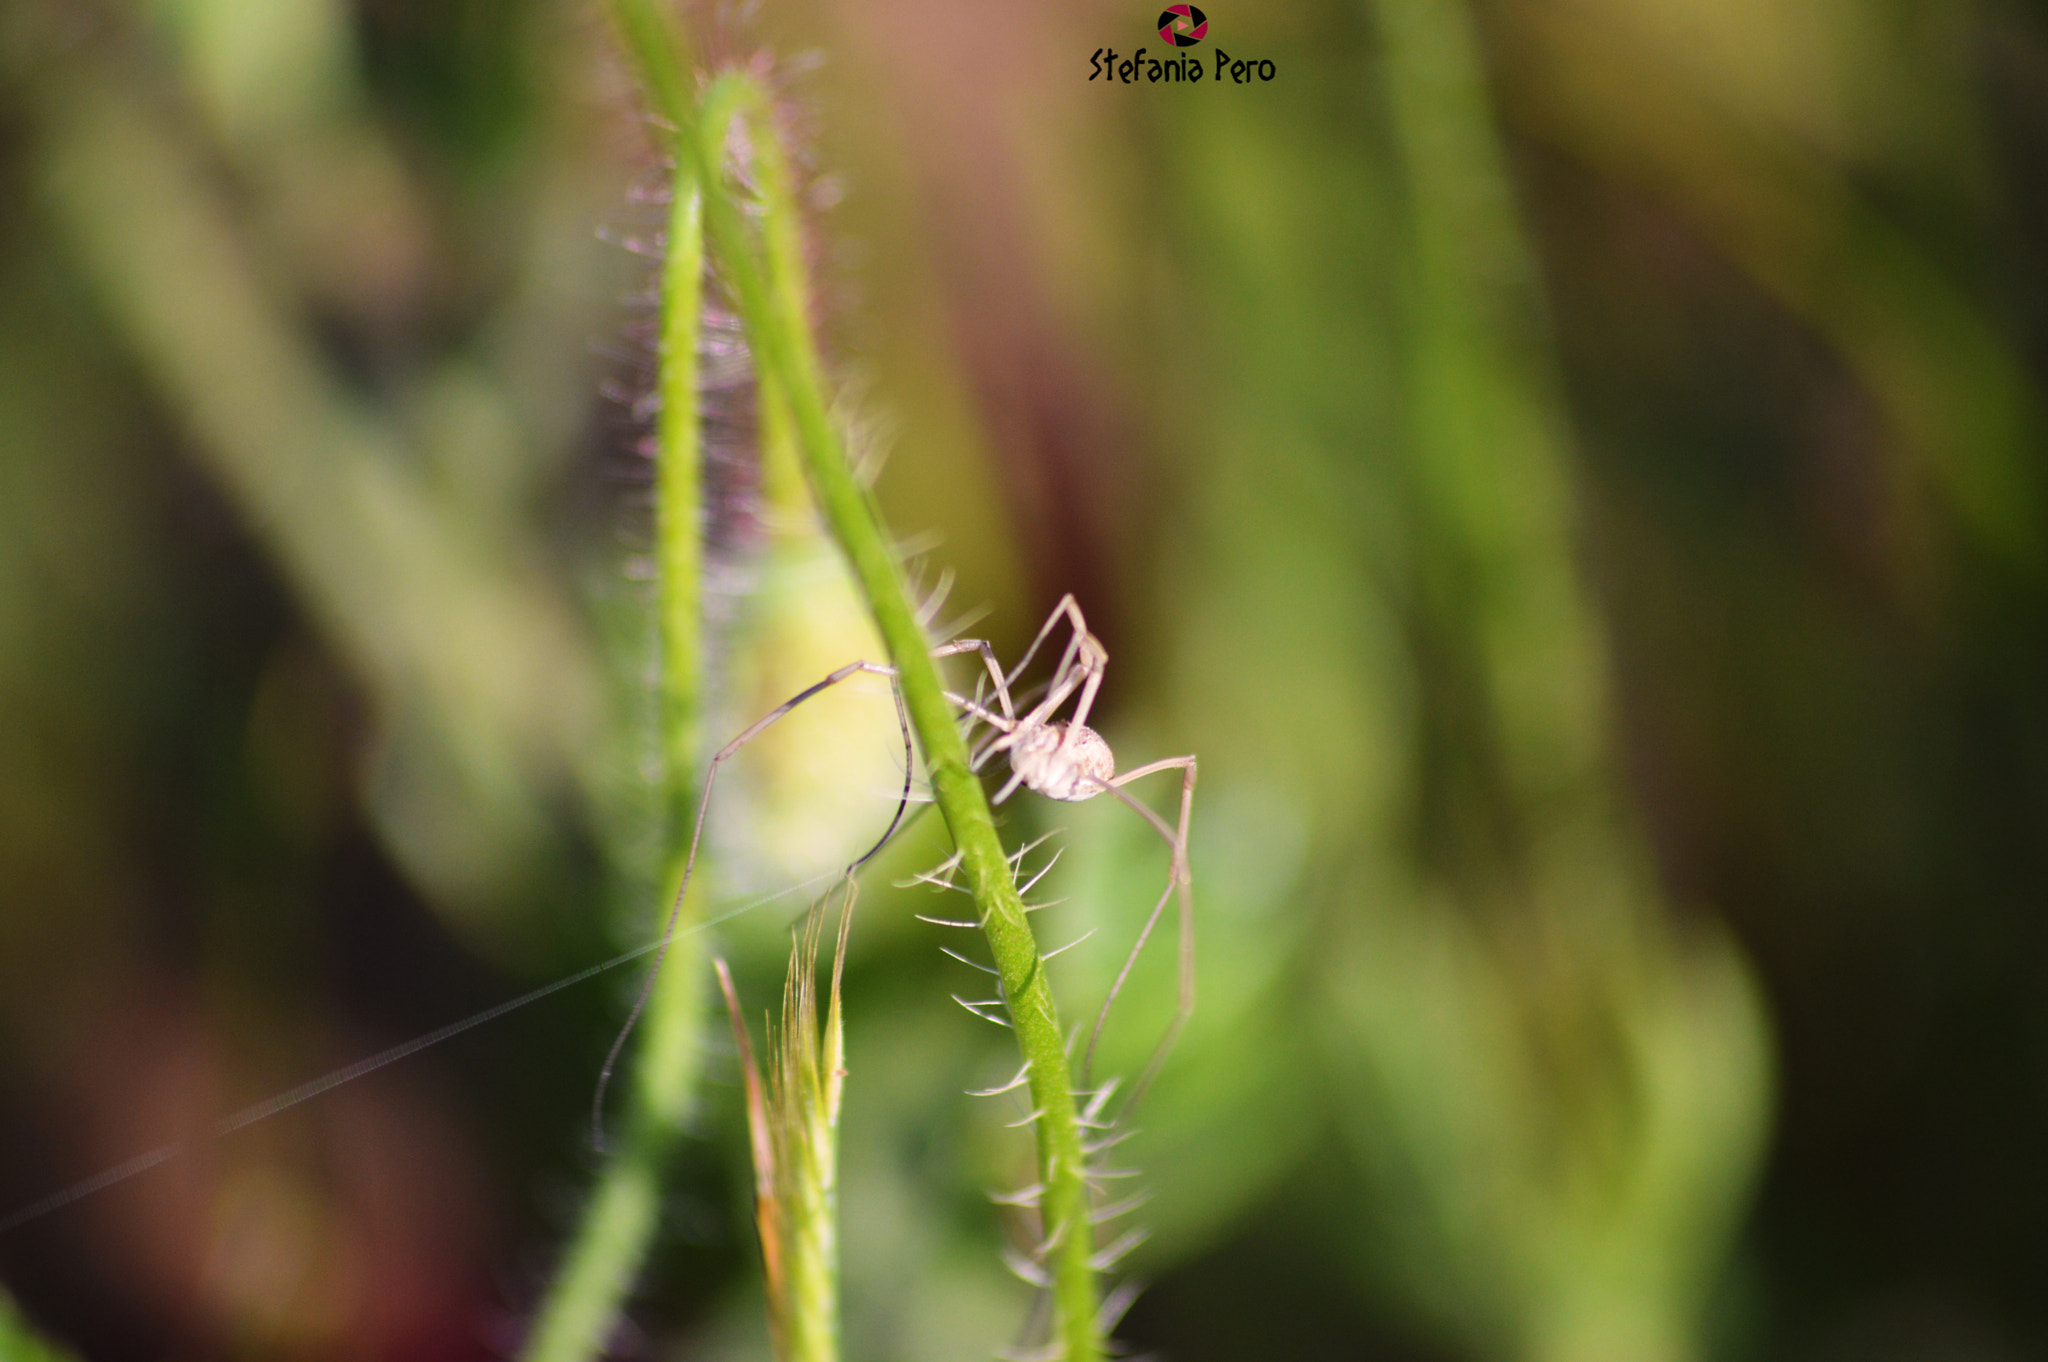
<point>1069,761</point>
<point>1062,759</point>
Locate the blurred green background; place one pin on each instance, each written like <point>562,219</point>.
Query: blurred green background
<point>1572,471</point>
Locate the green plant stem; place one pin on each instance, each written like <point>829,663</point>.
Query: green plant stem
<point>773,309</point>
<point>659,47</point>
<point>678,498</point>
<point>624,1211</point>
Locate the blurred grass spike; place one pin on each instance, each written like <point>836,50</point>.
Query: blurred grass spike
<point>793,1122</point>
<point>689,858</point>
<point>689,861</point>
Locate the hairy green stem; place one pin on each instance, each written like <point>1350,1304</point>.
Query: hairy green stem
<point>619,1224</point>
<point>772,307</point>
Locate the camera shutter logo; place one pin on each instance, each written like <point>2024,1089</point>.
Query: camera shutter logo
<point>1183,25</point>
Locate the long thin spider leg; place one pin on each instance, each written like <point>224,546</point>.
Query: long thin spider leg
<point>1000,739</point>
<point>1081,666</point>
<point>1007,729</point>
<point>903,800</point>
<point>1068,607</point>
<point>988,660</point>
<point>981,683</point>
<point>1179,882</point>
<point>1077,663</point>
<point>960,623</point>
<point>1092,664</point>
<point>675,913</point>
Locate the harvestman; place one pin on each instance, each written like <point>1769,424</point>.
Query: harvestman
<point>1062,759</point>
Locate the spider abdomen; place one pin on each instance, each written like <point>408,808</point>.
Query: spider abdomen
<point>1063,761</point>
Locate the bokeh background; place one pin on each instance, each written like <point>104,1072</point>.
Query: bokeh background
<point>1573,471</point>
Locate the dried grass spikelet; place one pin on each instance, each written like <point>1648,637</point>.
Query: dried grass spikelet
<point>793,1124</point>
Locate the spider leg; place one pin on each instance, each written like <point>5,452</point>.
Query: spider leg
<point>1092,663</point>
<point>1180,882</point>
<point>1011,731</point>
<point>975,710</point>
<point>1077,664</point>
<point>675,913</point>
<point>988,660</point>
<point>1071,610</point>
<point>985,748</point>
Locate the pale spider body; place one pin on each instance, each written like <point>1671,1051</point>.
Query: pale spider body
<point>1062,761</point>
